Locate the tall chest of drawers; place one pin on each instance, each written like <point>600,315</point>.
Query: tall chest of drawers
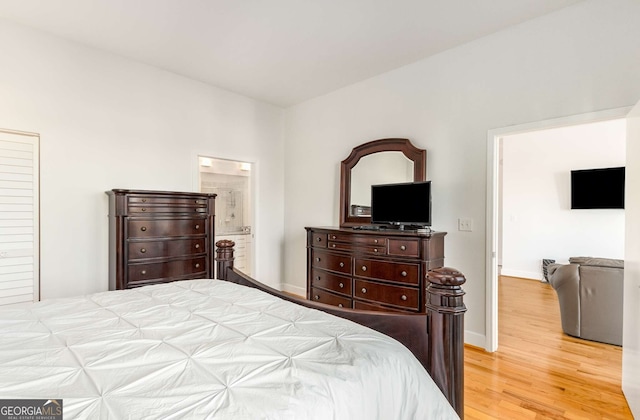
<point>371,270</point>
<point>159,236</point>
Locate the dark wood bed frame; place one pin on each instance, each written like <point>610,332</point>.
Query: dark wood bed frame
<point>436,338</point>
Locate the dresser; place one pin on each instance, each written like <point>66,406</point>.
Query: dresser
<point>373,270</point>
<point>159,236</point>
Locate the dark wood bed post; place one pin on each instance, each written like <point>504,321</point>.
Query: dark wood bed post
<point>446,310</point>
<point>224,258</point>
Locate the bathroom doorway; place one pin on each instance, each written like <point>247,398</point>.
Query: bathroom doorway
<point>231,180</point>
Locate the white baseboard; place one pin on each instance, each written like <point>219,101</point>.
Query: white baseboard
<point>475,339</point>
<point>523,274</point>
<point>296,290</point>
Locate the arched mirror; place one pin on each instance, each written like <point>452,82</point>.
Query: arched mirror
<point>384,161</point>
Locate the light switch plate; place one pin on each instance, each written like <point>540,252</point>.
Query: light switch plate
<point>465,224</point>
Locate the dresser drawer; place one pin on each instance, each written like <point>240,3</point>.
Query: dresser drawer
<point>332,262</point>
<point>167,270</point>
<point>364,306</point>
<point>318,240</point>
<point>404,248</point>
<point>405,297</point>
<point>387,270</point>
<point>135,210</point>
<point>139,283</point>
<point>173,248</point>
<point>335,282</point>
<point>156,228</point>
<point>166,199</point>
<point>321,296</point>
<point>363,248</point>
<point>357,239</point>
<point>168,202</point>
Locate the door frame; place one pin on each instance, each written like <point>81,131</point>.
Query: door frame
<point>254,184</point>
<point>493,209</point>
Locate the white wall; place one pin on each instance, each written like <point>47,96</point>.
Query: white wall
<point>107,122</point>
<point>537,218</point>
<point>577,60</point>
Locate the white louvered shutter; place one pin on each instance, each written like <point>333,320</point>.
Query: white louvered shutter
<point>19,229</point>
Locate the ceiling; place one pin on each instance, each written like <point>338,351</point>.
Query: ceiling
<point>279,51</point>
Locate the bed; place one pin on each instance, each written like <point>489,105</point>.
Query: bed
<point>217,349</point>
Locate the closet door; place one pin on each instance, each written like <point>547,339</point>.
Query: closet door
<point>19,229</point>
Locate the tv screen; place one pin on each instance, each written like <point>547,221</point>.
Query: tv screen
<point>597,188</point>
<point>402,204</point>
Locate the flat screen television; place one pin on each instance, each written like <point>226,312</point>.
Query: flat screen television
<point>405,205</point>
<point>597,188</point>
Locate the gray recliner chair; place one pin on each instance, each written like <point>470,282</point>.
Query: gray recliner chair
<point>590,295</point>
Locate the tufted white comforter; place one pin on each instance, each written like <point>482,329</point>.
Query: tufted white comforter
<point>208,349</point>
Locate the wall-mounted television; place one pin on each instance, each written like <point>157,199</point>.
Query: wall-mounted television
<point>601,188</point>
<point>405,205</point>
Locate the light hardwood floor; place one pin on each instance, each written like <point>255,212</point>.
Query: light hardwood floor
<point>538,372</point>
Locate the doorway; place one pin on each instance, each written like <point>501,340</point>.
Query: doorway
<point>494,205</point>
<point>232,182</point>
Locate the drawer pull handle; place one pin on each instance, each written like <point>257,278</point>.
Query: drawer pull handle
<point>144,200</point>
<point>197,246</point>
<point>341,264</point>
<point>403,248</point>
<point>339,305</point>
<point>333,236</point>
<point>403,297</point>
<point>143,272</point>
<point>197,227</point>
<point>319,239</point>
<point>364,268</point>
<point>143,209</point>
<point>143,228</point>
<point>316,297</point>
<point>403,274</point>
<point>143,250</point>
<point>375,241</point>
<point>375,249</point>
<point>197,265</point>
<point>317,259</point>
<point>333,245</point>
<point>364,290</point>
<point>341,285</point>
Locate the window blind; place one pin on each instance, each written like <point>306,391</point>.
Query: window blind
<point>19,217</point>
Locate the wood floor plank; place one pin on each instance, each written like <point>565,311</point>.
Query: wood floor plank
<point>538,371</point>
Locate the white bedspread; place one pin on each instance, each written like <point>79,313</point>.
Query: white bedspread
<point>208,349</point>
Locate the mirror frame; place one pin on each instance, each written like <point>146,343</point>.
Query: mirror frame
<point>417,156</point>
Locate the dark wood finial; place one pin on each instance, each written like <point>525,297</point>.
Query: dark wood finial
<point>444,297</point>
<point>224,258</point>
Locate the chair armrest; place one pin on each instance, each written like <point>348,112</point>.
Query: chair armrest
<point>564,276</point>
<point>565,279</point>
<point>551,268</point>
